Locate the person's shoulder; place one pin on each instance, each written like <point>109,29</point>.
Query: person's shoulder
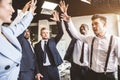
<point>115,37</point>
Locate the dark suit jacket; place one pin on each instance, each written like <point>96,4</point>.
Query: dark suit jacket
<point>52,42</point>
<point>69,52</point>
<point>28,57</point>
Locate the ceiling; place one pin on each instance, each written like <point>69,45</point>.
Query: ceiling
<point>76,7</point>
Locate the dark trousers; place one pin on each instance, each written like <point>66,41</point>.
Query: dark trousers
<point>101,76</point>
<point>50,73</point>
<point>27,75</point>
<point>118,72</point>
<point>78,73</point>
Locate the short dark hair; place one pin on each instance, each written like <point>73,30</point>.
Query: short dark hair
<point>96,16</point>
<point>85,26</point>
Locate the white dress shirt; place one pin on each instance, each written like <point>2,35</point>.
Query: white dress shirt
<point>77,53</point>
<point>100,48</point>
<point>47,59</point>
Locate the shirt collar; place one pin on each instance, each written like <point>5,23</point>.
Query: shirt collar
<point>44,40</point>
<point>105,36</point>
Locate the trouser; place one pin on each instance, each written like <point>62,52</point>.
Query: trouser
<point>118,72</point>
<point>27,75</point>
<point>78,72</point>
<point>101,76</point>
<point>50,73</point>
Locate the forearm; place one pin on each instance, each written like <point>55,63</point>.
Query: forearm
<point>20,26</point>
<point>69,33</point>
<point>18,18</point>
<point>60,31</point>
<point>75,33</point>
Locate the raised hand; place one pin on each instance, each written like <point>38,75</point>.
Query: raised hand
<point>33,6</point>
<point>26,7</point>
<point>55,16</point>
<point>63,7</point>
<point>65,17</point>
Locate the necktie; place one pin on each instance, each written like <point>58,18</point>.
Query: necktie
<point>82,54</point>
<point>45,48</point>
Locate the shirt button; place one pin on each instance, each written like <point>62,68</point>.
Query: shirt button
<point>17,65</point>
<point>7,67</point>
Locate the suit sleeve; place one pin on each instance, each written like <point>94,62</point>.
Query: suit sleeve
<point>37,69</point>
<point>69,33</point>
<point>60,32</point>
<point>36,66</point>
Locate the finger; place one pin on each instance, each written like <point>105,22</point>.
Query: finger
<point>59,6</point>
<point>54,14</point>
<point>60,3</point>
<point>67,6</point>
<point>35,2</point>
<point>41,75</point>
<point>52,18</point>
<point>32,2</point>
<point>64,3</point>
<point>28,3</point>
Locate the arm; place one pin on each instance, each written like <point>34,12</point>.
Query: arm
<point>18,18</point>
<point>67,19</point>
<point>69,33</point>
<point>23,22</point>
<point>60,29</point>
<point>19,27</point>
<point>60,32</point>
<point>21,14</point>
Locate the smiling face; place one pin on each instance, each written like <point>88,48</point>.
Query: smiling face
<point>6,11</point>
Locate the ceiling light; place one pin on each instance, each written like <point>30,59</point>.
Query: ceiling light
<point>49,5</point>
<point>86,1</point>
<point>47,11</point>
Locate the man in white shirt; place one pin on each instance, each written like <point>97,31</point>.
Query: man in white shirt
<point>102,68</point>
<point>77,55</point>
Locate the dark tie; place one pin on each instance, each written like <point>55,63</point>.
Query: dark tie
<point>82,54</point>
<point>45,51</point>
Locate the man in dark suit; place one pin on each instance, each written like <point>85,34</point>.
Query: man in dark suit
<point>28,65</point>
<point>47,55</point>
